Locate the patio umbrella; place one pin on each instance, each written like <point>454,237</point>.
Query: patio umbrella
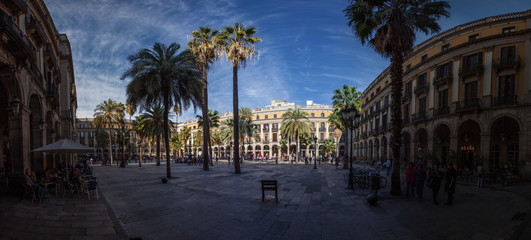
<point>64,146</point>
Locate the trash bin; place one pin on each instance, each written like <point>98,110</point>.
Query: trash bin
<point>375,182</point>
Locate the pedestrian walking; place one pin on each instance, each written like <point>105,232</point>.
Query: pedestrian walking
<point>435,179</point>
<point>480,175</point>
<point>449,183</point>
<point>420,178</point>
<point>388,165</point>
<point>410,180</point>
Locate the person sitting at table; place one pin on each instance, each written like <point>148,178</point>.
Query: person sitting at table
<point>32,184</point>
<point>75,178</point>
<point>87,170</point>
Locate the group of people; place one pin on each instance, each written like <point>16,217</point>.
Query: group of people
<point>417,176</point>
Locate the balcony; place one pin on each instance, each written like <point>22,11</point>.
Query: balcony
<point>443,80</point>
<point>17,41</point>
<point>441,111</point>
<point>373,132</point>
<point>507,63</point>
<point>48,54</point>
<point>51,93</point>
<point>364,135</point>
<point>419,117</point>
<point>468,71</point>
<point>504,100</point>
<point>406,121</point>
<point>420,89</point>
<point>37,74</point>
<point>36,31</point>
<point>16,5</point>
<point>407,95</point>
<point>322,129</point>
<point>274,129</point>
<point>468,105</point>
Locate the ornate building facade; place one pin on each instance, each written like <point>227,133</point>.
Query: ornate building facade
<point>37,86</point>
<point>269,121</point>
<point>466,99</point>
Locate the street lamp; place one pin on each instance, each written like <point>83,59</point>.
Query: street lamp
<point>314,153</point>
<point>348,115</point>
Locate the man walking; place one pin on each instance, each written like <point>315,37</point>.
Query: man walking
<point>420,178</point>
<point>388,165</point>
<point>449,183</point>
<point>435,182</point>
<point>410,180</point>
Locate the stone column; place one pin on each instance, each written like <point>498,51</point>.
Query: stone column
<point>455,80</point>
<point>485,149</point>
<point>487,73</point>
<point>431,93</point>
<point>527,71</point>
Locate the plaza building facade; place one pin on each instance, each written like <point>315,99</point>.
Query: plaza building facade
<point>466,99</point>
<point>268,122</point>
<point>37,86</point>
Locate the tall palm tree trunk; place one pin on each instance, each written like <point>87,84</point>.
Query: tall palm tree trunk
<point>206,123</point>
<point>167,132</point>
<point>122,162</point>
<point>236,119</point>
<point>158,150</point>
<point>396,119</point>
<point>140,151</point>
<point>298,147</point>
<point>110,145</point>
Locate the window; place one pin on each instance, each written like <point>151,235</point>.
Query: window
<point>445,47</point>
<point>506,86</point>
<point>322,115</point>
<point>471,91</point>
<point>274,116</point>
<point>322,126</point>
<point>408,67</point>
<point>422,105</point>
<point>444,70</point>
<point>407,88</point>
<point>406,111</point>
<point>424,58</point>
<point>275,125</point>
<point>509,29</point>
<point>266,127</point>
<point>322,136</point>
<point>82,126</point>
<point>473,37</point>
<point>443,99</point>
<point>508,55</point>
<point>313,114</point>
<point>257,117</point>
<point>266,116</point>
<point>472,61</point>
<point>258,127</point>
<point>194,127</point>
<point>274,137</point>
<point>422,80</point>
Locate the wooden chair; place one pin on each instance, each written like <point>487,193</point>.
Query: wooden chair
<point>269,185</point>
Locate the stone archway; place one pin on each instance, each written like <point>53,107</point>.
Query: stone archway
<point>505,147</point>
<point>421,146</point>
<point>441,144</point>
<point>266,152</point>
<point>36,134</point>
<point>469,143</point>
<point>405,150</point>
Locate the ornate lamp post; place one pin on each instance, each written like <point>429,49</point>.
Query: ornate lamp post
<point>348,115</point>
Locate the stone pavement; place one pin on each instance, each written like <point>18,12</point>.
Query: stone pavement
<point>314,204</point>
<point>57,218</point>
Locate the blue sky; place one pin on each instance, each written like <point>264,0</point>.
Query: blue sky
<point>306,53</point>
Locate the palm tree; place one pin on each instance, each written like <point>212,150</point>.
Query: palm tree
<point>138,127</point>
<point>329,146</point>
<point>283,147</point>
<point>246,113</point>
<point>185,134</point>
<point>153,126</point>
<point>130,109</point>
<point>161,76</point>
<point>336,121</point>
<point>206,46</point>
<point>122,137</point>
<point>239,42</point>
<point>102,139</point>
<point>176,142</point>
<point>295,124</point>
<point>213,122</point>
<point>389,27</point>
<point>218,139</point>
<point>343,99</point>
<point>106,114</point>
